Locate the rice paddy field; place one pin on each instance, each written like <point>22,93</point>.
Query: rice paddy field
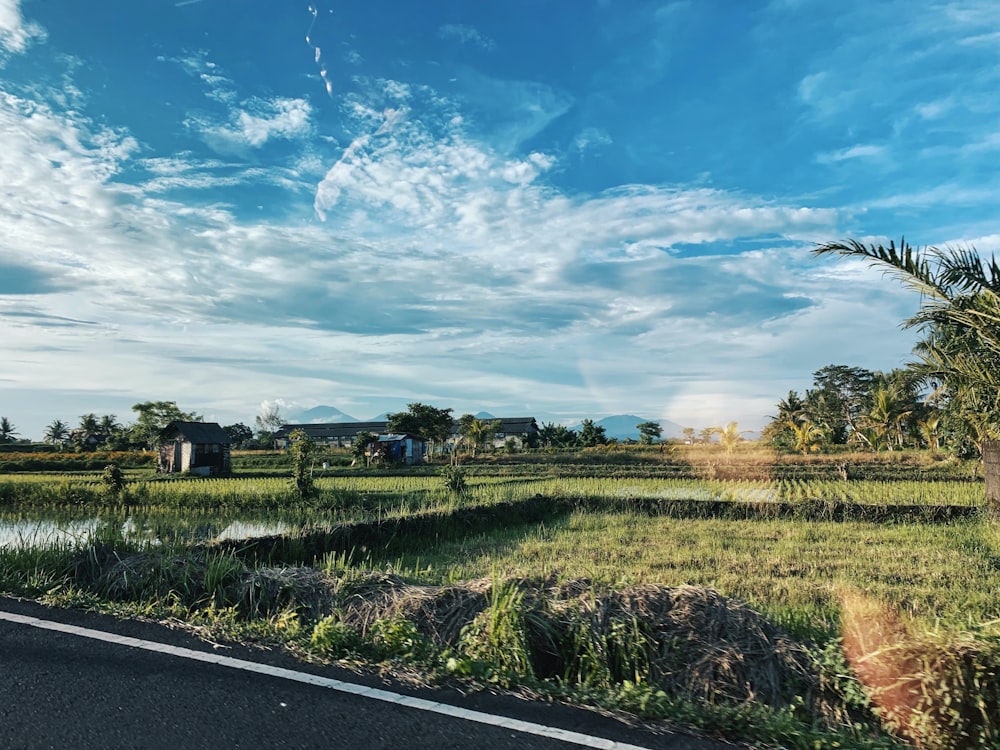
<point>796,548</point>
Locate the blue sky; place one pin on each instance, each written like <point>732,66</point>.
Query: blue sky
<point>562,208</point>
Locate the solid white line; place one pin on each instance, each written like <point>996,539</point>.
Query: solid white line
<point>386,696</point>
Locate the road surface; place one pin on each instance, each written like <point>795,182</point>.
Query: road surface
<point>85,685</point>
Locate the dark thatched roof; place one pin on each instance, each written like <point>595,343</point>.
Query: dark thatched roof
<point>200,433</point>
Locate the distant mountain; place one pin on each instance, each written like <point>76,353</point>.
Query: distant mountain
<point>622,426</point>
<point>484,415</point>
<point>321,415</point>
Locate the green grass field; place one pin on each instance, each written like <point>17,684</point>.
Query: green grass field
<point>616,526</point>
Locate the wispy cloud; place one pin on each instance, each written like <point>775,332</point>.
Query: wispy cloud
<point>466,35</point>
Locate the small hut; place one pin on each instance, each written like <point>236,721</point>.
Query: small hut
<point>201,448</point>
<point>405,449</point>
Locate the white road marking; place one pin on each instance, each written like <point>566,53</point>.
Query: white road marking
<point>386,696</point>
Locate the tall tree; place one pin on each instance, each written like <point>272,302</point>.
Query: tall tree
<point>88,434</point>
<point>780,431</point>
<point>268,422</point>
<point>477,433</point>
<point>649,432</point>
<point>57,433</point>
<point>153,416</point>
<point>434,424</point>
<point>592,434</point>
<point>808,436</point>
<point>839,397</point>
<point>239,433</point>
<point>8,432</point>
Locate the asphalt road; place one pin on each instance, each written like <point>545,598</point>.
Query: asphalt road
<point>61,690</point>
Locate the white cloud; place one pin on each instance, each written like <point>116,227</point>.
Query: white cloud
<point>863,151</point>
<point>15,32</point>
<point>590,138</point>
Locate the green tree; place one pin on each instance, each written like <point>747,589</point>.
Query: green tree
<point>8,432</point>
<point>959,317</point>
<point>153,416</point>
<point>87,435</point>
<point>433,424</point>
<point>688,434</point>
<point>477,433</point>
<point>592,434</point>
<point>362,441</point>
<point>780,431</point>
<point>840,395</point>
<point>239,433</point>
<point>928,427</point>
<point>303,450</point>
<point>649,432</point>
<point>807,435</point>
<point>729,436</point>
<point>551,435</point>
<point>268,422</point>
<point>57,433</point>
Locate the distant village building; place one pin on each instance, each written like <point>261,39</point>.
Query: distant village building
<point>335,434</point>
<point>201,448</point>
<point>522,432</point>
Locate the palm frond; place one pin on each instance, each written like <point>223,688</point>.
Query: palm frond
<point>911,266</point>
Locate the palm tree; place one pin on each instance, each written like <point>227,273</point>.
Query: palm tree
<point>57,432</point>
<point>960,316</point>
<point>960,308</point>
<point>7,431</point>
<point>808,435</point>
<point>928,428</point>
<point>729,436</point>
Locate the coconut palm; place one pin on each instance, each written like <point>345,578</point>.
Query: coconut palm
<point>808,435</point>
<point>960,308</point>
<point>729,436</point>
<point>57,432</point>
<point>7,431</point>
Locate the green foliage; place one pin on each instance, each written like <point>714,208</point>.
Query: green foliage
<point>453,478</point>
<point>362,441</point>
<point>591,435</point>
<point>477,433</point>
<point>649,432</point>
<point>426,421</point>
<point>240,434</point>
<point>334,639</point>
<point>551,435</point>
<point>8,432</point>
<point>303,451</point>
<point>153,416</point>
<point>113,479</point>
<point>499,635</point>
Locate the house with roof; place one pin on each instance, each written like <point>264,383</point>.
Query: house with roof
<point>331,434</point>
<point>522,430</point>
<point>201,448</point>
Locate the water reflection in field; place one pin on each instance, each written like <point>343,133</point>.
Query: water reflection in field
<point>52,528</point>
